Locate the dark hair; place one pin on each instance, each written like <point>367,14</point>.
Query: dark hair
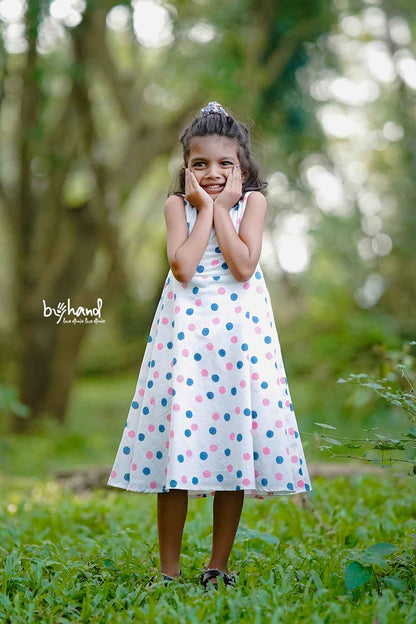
<point>226,126</point>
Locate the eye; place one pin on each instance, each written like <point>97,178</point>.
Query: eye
<point>227,162</point>
<point>199,162</point>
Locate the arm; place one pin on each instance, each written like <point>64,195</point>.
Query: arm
<point>185,250</point>
<point>242,251</point>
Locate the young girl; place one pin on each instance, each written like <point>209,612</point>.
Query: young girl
<point>212,412</point>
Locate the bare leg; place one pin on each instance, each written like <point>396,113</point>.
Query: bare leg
<point>227,512</point>
<point>171,515</point>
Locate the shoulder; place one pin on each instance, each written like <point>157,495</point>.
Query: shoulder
<point>256,198</point>
<point>175,204</point>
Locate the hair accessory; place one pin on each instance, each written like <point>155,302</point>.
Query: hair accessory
<point>213,107</point>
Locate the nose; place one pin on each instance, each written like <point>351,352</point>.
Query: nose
<point>213,172</point>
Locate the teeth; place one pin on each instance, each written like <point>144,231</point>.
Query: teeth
<point>214,186</point>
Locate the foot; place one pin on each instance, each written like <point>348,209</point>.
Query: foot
<point>211,575</point>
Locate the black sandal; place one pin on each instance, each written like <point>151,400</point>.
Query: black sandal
<point>215,573</point>
<point>166,579</point>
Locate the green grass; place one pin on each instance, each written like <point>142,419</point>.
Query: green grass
<point>68,558</point>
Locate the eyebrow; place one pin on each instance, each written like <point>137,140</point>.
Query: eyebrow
<point>222,158</point>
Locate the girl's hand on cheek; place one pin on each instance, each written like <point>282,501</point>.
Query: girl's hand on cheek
<point>194,193</point>
<point>232,190</point>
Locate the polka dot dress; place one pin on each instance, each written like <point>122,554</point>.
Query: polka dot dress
<point>212,408</point>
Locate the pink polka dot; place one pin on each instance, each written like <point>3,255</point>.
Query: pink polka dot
<point>258,330</point>
<point>222,390</point>
<point>165,320</point>
<point>269,355</point>
<point>194,426</point>
<point>242,383</point>
<point>255,376</point>
<point>184,479</point>
<point>113,474</point>
<point>238,220</point>
<point>189,453</point>
<point>278,476</point>
<point>141,392</point>
<point>149,454</point>
<point>254,425</point>
<point>278,423</point>
<point>294,459</point>
<point>199,398</point>
<point>266,450</point>
<point>167,446</point>
<point>204,372</point>
<point>153,485</point>
<point>246,286</point>
<point>266,402</point>
<point>256,473</point>
<point>232,436</point>
<point>229,468</point>
<point>216,320</point>
<point>214,263</point>
<point>171,434</point>
<point>282,380</point>
<point>291,431</point>
<point>213,448</point>
<point>191,327</point>
<point>234,339</point>
<point>210,346</point>
<point>134,467</point>
<point>177,308</point>
<point>221,290</point>
<point>237,410</point>
<point>180,379</point>
<point>246,481</point>
<point>170,294</point>
<point>198,302</point>
<point>169,417</point>
<point>176,407</point>
<point>287,403</point>
<point>238,309</point>
<point>246,456</point>
<point>259,289</point>
<point>216,416</point>
<point>206,473</point>
<point>185,352</point>
<point>156,374</point>
<point>131,433</point>
<point>300,483</point>
<point>228,366</point>
<point>170,390</point>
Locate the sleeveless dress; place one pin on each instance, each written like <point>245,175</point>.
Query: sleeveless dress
<point>212,408</point>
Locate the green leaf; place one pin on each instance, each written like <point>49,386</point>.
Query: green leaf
<point>249,534</point>
<point>356,575</point>
<point>382,548</point>
<point>325,425</point>
<point>395,582</point>
<point>332,440</point>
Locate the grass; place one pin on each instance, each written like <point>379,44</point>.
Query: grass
<point>68,558</point>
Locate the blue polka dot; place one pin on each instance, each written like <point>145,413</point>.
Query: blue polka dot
<point>239,473</point>
<point>212,430</point>
<point>257,275</point>
<point>233,296</point>
<point>214,306</point>
<point>246,411</point>
<point>188,433</point>
<point>164,401</point>
<point>264,482</point>
<point>145,410</point>
<point>189,381</point>
<point>214,377</point>
<point>279,459</point>
<point>227,452</point>
<point>254,414</point>
<point>203,455</point>
<point>244,346</point>
<point>195,290</point>
<point>181,335</point>
<point>159,454</point>
<point>173,483</point>
<point>181,458</point>
<point>255,319</point>
<point>267,339</point>
<point>255,455</point>
<point>127,476</point>
<point>126,450</point>
<point>264,384</point>
<point>161,428</point>
<point>253,359</point>
<point>200,268</point>
<point>146,471</point>
<point>221,352</point>
<point>216,277</point>
<point>220,478</point>
<point>280,404</point>
<point>233,390</point>
<point>169,376</point>
<point>135,405</point>
<point>148,340</point>
<point>205,331</point>
<point>188,414</point>
<point>290,486</point>
<point>150,384</point>
<point>217,250</point>
<point>300,471</point>
<point>195,480</point>
<point>210,395</point>
<point>197,357</point>
<point>240,364</point>
<point>227,416</point>
<point>224,265</point>
<point>307,487</point>
<point>296,434</point>
<point>269,433</point>
<point>141,437</point>
<point>190,311</point>
<point>229,325</point>
<point>239,437</point>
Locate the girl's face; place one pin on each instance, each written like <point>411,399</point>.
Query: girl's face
<point>211,159</point>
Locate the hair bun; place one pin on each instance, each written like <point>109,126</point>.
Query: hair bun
<point>213,107</point>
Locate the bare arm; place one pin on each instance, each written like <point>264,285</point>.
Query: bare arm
<point>242,251</point>
<point>185,250</point>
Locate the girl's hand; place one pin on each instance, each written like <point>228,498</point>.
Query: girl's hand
<point>232,190</point>
<point>194,193</point>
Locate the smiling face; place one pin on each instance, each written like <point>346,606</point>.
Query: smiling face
<point>211,159</point>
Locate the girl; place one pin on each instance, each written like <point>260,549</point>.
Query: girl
<point>212,412</point>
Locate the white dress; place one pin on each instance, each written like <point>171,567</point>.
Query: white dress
<point>212,408</point>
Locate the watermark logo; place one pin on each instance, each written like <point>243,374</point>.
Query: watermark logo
<point>79,315</point>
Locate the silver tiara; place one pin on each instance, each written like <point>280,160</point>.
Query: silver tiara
<point>213,107</point>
